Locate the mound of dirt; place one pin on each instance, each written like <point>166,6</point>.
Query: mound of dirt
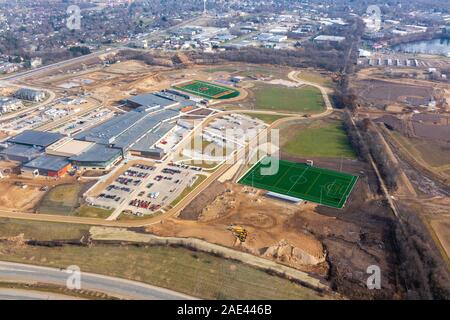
<point>285,252</point>
<point>13,243</point>
<point>195,208</point>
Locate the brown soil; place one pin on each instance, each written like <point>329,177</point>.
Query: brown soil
<point>263,218</point>
<point>16,198</point>
<point>379,92</point>
<point>442,229</point>
<point>354,238</point>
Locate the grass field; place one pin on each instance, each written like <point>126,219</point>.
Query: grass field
<point>65,200</point>
<point>326,140</point>
<point>207,90</point>
<point>61,199</point>
<point>275,97</point>
<point>92,212</point>
<point>323,186</point>
<point>41,230</point>
<point>250,71</point>
<point>196,273</point>
<point>315,77</point>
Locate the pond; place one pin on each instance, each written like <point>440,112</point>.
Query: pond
<point>434,46</point>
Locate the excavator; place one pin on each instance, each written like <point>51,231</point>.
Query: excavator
<point>239,232</point>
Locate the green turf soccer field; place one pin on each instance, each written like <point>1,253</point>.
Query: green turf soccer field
<point>207,90</point>
<point>299,180</point>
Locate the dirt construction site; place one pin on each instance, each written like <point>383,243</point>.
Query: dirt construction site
<point>330,243</point>
<point>112,83</point>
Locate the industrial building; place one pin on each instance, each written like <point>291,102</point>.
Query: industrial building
<point>152,100</point>
<point>30,94</point>
<point>68,147</point>
<point>328,39</point>
<point>36,138</point>
<point>144,147</point>
<point>20,153</point>
<point>97,157</point>
<point>126,130</point>
<point>47,165</point>
<point>101,147</point>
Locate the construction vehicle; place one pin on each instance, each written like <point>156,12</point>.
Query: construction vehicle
<point>239,232</point>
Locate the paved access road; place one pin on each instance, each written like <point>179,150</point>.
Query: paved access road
<point>116,287</point>
<point>21,294</point>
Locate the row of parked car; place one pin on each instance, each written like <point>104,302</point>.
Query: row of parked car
<point>185,166</point>
<point>144,204</point>
<point>134,173</point>
<point>159,178</point>
<point>127,181</point>
<point>109,196</point>
<point>144,167</point>
<point>114,187</point>
<point>170,171</point>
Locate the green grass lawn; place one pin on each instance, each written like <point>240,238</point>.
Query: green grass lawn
<point>302,181</point>
<point>274,97</point>
<point>327,140</point>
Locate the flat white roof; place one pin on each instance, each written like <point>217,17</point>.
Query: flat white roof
<point>329,38</point>
<point>69,147</point>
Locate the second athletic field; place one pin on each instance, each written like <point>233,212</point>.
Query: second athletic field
<point>207,90</point>
<point>300,180</point>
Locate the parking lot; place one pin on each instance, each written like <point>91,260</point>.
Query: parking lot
<point>118,191</point>
<point>143,190</point>
<point>162,189</point>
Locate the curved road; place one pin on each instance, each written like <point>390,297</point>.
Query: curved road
<point>21,294</point>
<point>116,287</point>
